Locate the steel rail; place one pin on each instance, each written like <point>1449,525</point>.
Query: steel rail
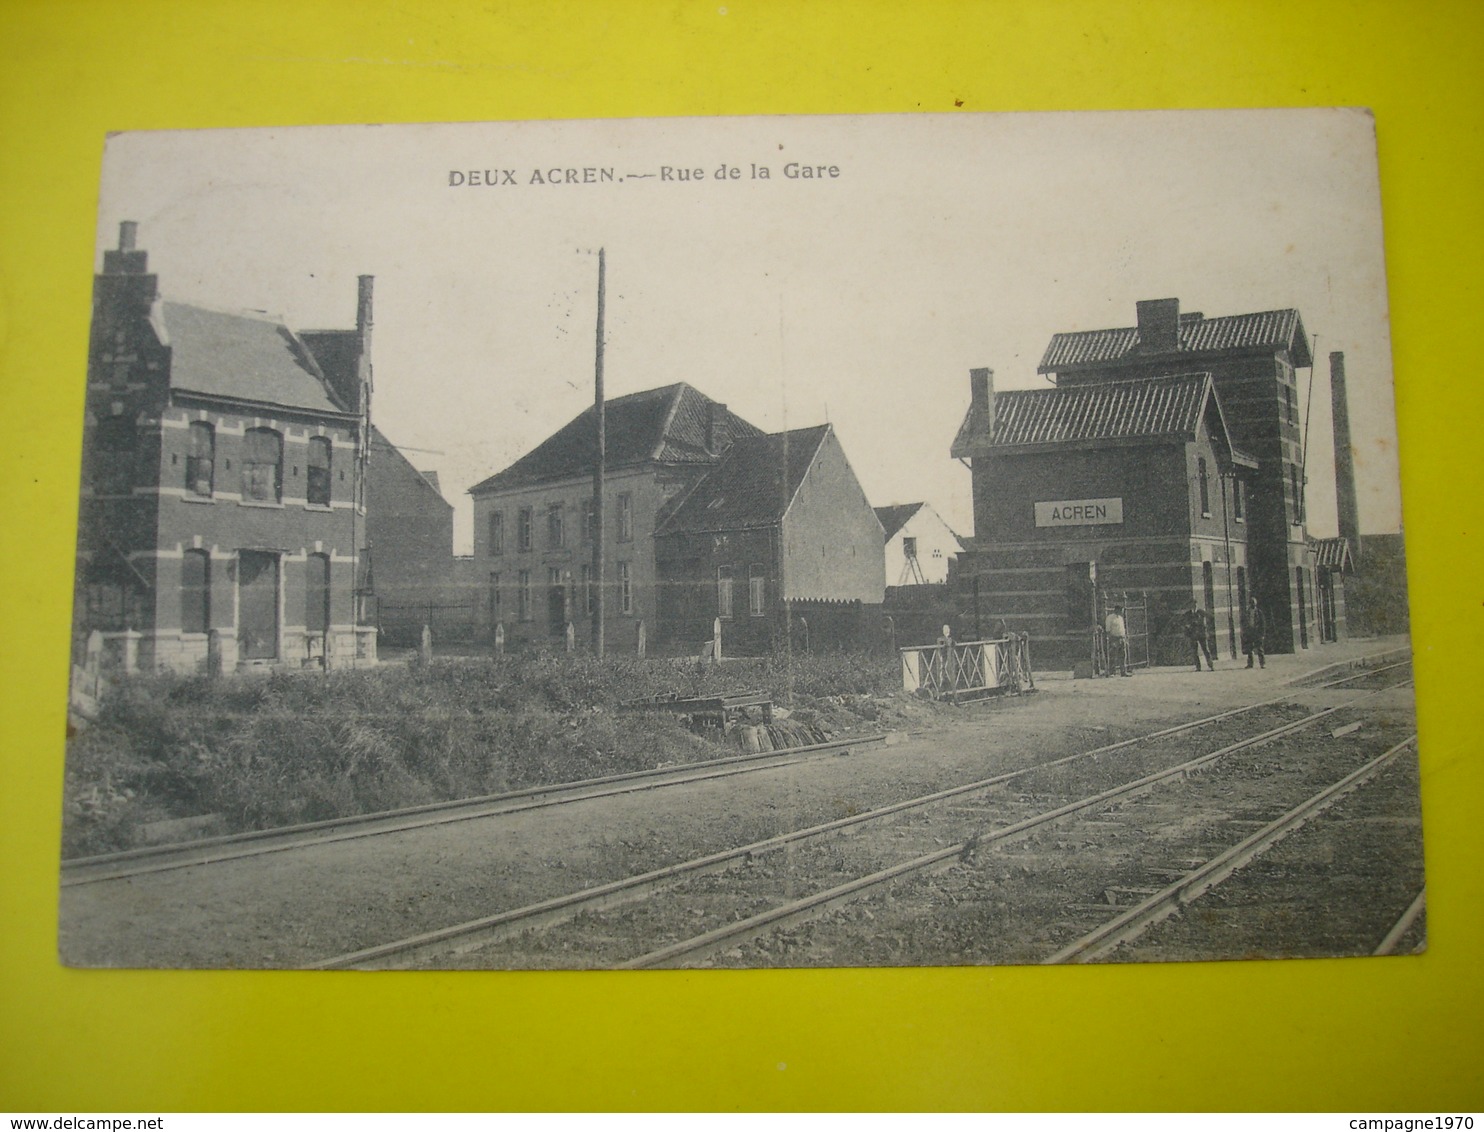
<point>1130,925</point>
<point>104,867</point>
<point>232,847</point>
<point>1398,930</point>
<point>488,929</point>
<point>810,906</point>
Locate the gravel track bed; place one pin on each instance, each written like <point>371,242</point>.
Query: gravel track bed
<point>289,909</point>
<point>1336,887</point>
<point>702,903</point>
<point>1021,902</point>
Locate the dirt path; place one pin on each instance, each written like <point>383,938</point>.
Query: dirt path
<point>285,910</point>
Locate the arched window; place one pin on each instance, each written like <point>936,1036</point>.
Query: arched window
<point>1205,488</point>
<point>317,593</point>
<point>195,592</point>
<point>200,469</point>
<point>262,466</point>
<point>318,493</point>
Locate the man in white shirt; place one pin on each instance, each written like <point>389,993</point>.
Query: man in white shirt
<point>1117,633</point>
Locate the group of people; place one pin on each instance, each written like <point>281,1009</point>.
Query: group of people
<point>1193,624</point>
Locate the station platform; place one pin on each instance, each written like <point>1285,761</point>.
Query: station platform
<point>1232,681</point>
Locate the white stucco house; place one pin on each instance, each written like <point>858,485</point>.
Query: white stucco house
<point>919,544</point>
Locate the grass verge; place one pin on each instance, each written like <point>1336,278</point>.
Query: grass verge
<point>287,748</point>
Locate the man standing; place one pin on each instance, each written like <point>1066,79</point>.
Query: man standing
<point>1117,633</point>
<point>1254,629</point>
<point>1193,625</point>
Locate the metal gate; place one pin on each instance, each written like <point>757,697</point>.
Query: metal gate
<point>954,670</point>
<point>1136,626</point>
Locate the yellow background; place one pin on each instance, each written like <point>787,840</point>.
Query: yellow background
<point>1391,1034</point>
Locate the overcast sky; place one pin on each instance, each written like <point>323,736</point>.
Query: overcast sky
<point>945,242</point>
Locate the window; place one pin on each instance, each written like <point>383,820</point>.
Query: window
<point>116,445</point>
<point>1239,500</point>
<point>757,591</point>
<point>1290,405</point>
<point>195,592</point>
<point>494,599</point>
<point>318,494</point>
<point>317,593</point>
<point>724,592</point>
<point>262,466</point>
<point>523,529</point>
<point>625,518</point>
<point>1205,488</point>
<point>200,458</point>
<point>589,518</point>
<point>523,595</point>
<point>909,546</point>
<point>625,590</point>
<point>497,534</point>
<point>1298,494</point>
<point>585,576</point>
<point>555,527</point>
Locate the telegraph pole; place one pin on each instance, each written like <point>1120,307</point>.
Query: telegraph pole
<point>600,458</point>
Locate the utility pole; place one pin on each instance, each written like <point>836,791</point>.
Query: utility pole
<point>600,458</point>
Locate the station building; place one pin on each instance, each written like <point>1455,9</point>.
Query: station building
<point>1165,460</point>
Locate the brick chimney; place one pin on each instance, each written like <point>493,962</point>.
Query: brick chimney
<point>718,428</point>
<point>981,401</point>
<point>365,285</point>
<point>1345,499</point>
<point>1159,325</point>
<point>126,260</point>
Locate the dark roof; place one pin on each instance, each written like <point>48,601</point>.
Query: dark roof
<point>666,426</point>
<point>338,355</point>
<point>1332,554</point>
<point>384,452</point>
<point>245,357</point>
<point>1138,408</point>
<point>752,487</point>
<point>894,517</point>
<point>1281,329</point>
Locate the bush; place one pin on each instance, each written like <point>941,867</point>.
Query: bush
<point>299,747</point>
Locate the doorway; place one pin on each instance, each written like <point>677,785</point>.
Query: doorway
<point>257,605</point>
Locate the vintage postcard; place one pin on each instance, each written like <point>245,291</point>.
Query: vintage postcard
<point>857,541</point>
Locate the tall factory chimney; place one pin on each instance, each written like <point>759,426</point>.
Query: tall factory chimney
<point>1345,500</point>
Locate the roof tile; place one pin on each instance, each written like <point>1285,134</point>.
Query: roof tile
<point>1279,329</point>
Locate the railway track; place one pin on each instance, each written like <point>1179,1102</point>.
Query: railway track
<point>534,930</point>
<point>233,847</point>
<point>1104,940</point>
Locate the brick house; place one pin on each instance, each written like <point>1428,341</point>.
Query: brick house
<point>408,553</point>
<point>1086,491</point>
<point>222,503</point>
<point>1253,361</point>
<point>533,520</point>
<point>777,542</point>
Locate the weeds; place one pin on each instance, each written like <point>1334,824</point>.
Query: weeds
<point>293,748</point>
